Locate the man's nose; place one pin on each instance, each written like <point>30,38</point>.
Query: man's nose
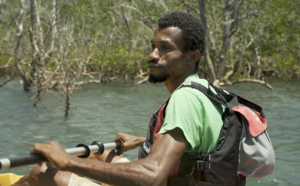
<point>154,55</point>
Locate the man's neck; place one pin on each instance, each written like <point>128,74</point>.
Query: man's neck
<point>173,83</point>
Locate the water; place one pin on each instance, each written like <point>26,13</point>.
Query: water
<point>103,110</point>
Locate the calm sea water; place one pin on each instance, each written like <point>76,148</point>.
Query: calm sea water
<point>103,110</point>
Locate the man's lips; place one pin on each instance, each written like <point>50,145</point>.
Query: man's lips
<point>155,65</point>
<point>152,65</point>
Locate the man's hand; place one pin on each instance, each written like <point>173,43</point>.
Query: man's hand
<point>54,152</point>
<point>128,142</point>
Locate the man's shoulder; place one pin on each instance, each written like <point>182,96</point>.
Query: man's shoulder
<point>186,91</point>
<point>195,78</point>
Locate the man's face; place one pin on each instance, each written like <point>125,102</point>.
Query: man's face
<point>167,61</point>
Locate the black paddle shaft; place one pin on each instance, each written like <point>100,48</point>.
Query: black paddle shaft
<point>81,150</point>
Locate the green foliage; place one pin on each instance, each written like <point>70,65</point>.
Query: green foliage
<point>117,60</point>
<point>281,37</point>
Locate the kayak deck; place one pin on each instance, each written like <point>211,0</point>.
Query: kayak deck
<point>8,179</point>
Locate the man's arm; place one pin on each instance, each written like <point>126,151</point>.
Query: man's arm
<point>152,170</point>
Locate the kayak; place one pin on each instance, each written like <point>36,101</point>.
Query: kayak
<point>8,179</point>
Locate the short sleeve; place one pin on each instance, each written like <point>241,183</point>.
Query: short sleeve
<point>184,111</point>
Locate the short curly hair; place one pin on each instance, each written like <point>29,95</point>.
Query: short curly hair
<point>192,29</point>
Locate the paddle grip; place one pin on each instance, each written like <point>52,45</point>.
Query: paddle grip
<point>100,145</point>
<point>21,161</point>
<point>87,151</point>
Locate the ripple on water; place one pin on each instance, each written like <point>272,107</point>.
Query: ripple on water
<point>104,110</point>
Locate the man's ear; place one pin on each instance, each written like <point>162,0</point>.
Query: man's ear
<point>195,55</point>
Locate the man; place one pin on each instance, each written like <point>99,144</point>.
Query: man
<point>189,123</point>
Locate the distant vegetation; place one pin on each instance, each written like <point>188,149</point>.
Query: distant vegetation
<point>61,44</point>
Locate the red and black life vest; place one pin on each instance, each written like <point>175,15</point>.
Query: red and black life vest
<point>214,168</point>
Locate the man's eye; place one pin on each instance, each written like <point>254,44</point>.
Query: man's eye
<point>165,47</point>
<point>153,47</point>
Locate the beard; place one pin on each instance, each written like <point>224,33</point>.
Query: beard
<point>158,79</point>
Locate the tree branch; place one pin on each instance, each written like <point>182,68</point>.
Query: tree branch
<point>261,82</point>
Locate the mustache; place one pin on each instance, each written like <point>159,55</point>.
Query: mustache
<point>153,61</point>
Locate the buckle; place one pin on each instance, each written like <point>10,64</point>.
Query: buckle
<point>203,164</point>
<point>146,148</point>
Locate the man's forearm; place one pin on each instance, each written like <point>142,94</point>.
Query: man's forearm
<point>140,141</point>
<point>132,173</point>
<point>152,170</point>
